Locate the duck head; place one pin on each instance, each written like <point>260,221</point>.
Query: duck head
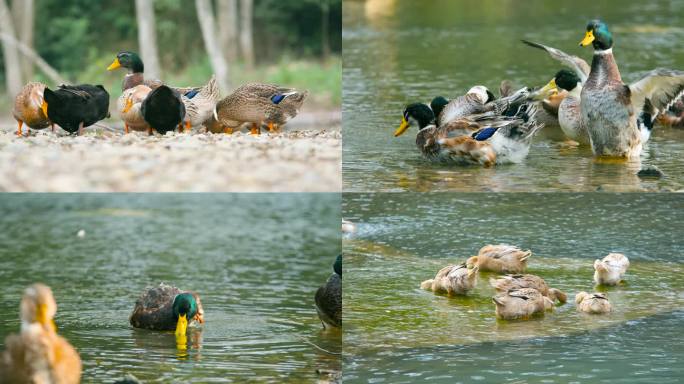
<point>566,79</point>
<point>128,60</point>
<point>437,105</point>
<point>598,35</point>
<point>38,306</point>
<point>337,267</point>
<point>415,114</point>
<point>184,310</point>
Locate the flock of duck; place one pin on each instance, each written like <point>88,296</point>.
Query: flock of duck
<point>150,105</point>
<point>590,104</point>
<point>523,296</point>
<point>39,355</point>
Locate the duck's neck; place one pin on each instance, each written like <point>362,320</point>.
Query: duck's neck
<point>132,79</point>
<point>576,92</point>
<point>603,67</point>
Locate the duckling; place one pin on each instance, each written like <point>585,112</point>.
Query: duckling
<point>74,107</point>
<point>453,280</point>
<point>129,105</point>
<point>511,282</point>
<point>329,298</point>
<point>259,103</point>
<point>167,308</point>
<point>38,354</point>
<point>501,258</point>
<point>521,304</point>
<point>163,109</point>
<point>594,303</point>
<point>610,108</point>
<point>28,108</point>
<point>200,105</point>
<point>611,269</point>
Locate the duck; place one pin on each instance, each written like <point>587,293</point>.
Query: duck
<point>167,308</point>
<point>74,107</point>
<point>328,298</point>
<point>453,280</point>
<point>257,104</point>
<point>611,269</point>
<point>521,304</point>
<point>592,303</point>
<point>501,258</point>
<point>163,109</point>
<point>129,105</point>
<point>38,354</point>
<point>135,76</point>
<point>477,100</point>
<point>200,105</point>
<point>610,108</point>
<point>28,108</point>
<point>510,282</point>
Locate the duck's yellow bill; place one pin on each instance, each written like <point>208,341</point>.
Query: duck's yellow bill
<point>588,39</point>
<point>402,128</point>
<point>128,106</point>
<point>114,65</point>
<point>43,106</point>
<point>547,90</point>
<point>181,326</point>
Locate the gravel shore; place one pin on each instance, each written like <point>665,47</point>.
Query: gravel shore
<point>104,160</point>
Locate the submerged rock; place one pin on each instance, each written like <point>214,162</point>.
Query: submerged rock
<point>650,171</point>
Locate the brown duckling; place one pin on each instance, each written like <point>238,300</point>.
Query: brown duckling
<point>611,269</point>
<point>501,258</point>
<point>521,304</point>
<point>453,280</point>
<point>28,108</point>
<point>594,303</point>
<point>511,282</point>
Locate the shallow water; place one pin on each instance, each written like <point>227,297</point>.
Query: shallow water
<point>396,332</point>
<point>398,51</point>
<point>255,259</point>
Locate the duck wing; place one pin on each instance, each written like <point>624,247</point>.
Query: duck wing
<point>661,86</point>
<point>575,63</point>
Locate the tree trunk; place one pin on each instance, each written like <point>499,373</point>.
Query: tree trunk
<point>206,21</point>
<point>33,57</point>
<point>10,53</point>
<point>147,37</point>
<point>325,28</point>
<point>246,40</point>
<point>228,28</point>
<point>24,16</point>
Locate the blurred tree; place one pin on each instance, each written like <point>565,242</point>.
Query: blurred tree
<point>246,34</point>
<point>10,52</point>
<point>228,28</point>
<point>24,11</point>
<point>218,61</point>
<point>147,37</point>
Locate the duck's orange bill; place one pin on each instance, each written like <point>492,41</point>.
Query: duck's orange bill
<point>128,106</point>
<point>588,39</point>
<point>114,65</point>
<point>402,128</point>
<point>43,106</point>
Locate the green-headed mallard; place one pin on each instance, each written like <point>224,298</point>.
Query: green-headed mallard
<point>610,269</point>
<point>610,108</point>
<point>38,354</point>
<point>163,109</point>
<point>509,282</point>
<point>521,304</point>
<point>200,104</point>
<point>28,108</point>
<point>167,308</point>
<point>453,280</point>
<point>258,104</point>
<point>74,107</point>
<point>501,258</point>
<point>329,298</point>
<point>135,76</point>
<point>593,303</point>
<point>129,105</point>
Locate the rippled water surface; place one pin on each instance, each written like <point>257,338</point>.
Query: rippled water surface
<point>402,51</point>
<point>256,260</point>
<point>396,332</point>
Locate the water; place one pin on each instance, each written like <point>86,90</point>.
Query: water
<point>398,51</point>
<point>256,260</point>
<point>395,332</point>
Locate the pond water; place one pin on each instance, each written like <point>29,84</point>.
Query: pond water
<point>399,51</point>
<point>395,332</point>
<point>255,259</point>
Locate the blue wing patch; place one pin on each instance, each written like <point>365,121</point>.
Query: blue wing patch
<point>277,98</point>
<point>484,134</point>
<point>192,93</point>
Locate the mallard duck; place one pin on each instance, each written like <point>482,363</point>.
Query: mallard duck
<point>521,304</point>
<point>329,298</point>
<point>163,109</point>
<point>594,303</point>
<point>509,282</point>
<point>259,104</point>
<point>200,105</point>
<point>611,269</point>
<point>501,258</point>
<point>135,76</point>
<point>28,108</point>
<point>74,107</point>
<point>453,280</point>
<point>38,354</point>
<point>129,105</point>
<point>610,108</point>
<point>167,308</point>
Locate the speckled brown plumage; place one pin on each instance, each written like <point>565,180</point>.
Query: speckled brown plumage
<point>27,107</point>
<point>153,310</point>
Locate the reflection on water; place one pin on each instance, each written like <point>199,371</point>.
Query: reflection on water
<point>402,51</point>
<point>396,332</point>
<point>256,260</point>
